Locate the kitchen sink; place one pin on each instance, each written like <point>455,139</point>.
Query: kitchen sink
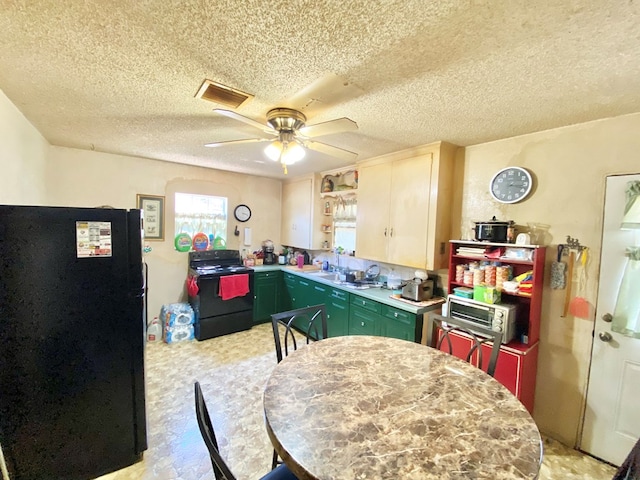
<point>358,286</point>
<point>321,274</point>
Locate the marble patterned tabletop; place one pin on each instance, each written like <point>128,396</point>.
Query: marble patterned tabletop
<point>360,407</point>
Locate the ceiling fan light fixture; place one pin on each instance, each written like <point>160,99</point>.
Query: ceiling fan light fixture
<point>286,151</point>
<point>273,150</point>
<point>292,153</point>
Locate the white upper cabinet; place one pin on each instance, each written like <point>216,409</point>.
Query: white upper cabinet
<point>300,213</point>
<point>403,207</point>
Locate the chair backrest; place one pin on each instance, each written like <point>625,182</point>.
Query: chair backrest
<point>630,468</point>
<point>220,468</point>
<point>476,333</point>
<point>306,320</point>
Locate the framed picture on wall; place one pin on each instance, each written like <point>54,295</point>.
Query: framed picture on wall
<point>153,214</point>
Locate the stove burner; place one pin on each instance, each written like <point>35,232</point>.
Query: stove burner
<point>217,262</point>
<point>221,269</point>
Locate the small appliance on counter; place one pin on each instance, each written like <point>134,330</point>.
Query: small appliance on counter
<point>269,258</point>
<point>495,231</point>
<point>419,289</point>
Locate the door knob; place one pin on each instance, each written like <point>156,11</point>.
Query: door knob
<point>605,336</point>
<point>607,317</point>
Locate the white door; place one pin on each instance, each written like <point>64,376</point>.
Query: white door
<point>612,416</point>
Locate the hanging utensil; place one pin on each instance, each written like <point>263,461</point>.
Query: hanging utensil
<point>558,268</point>
<point>579,306</point>
<point>567,297</point>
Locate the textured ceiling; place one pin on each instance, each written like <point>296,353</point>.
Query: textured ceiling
<point>122,76</point>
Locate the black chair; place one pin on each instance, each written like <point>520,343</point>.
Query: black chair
<point>630,468</point>
<point>306,319</point>
<point>477,334</point>
<point>220,468</point>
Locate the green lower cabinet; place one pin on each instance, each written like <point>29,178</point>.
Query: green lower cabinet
<point>267,295</point>
<point>364,316</point>
<point>397,324</point>
<point>290,282</point>
<point>337,307</point>
<point>368,317</point>
<point>347,313</point>
<point>362,322</point>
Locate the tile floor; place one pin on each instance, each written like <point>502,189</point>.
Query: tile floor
<point>232,371</point>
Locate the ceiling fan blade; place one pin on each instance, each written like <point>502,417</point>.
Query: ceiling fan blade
<point>247,120</point>
<point>328,90</point>
<point>326,128</point>
<point>238,142</point>
<point>332,151</point>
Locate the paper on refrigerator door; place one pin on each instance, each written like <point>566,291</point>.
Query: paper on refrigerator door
<point>93,239</point>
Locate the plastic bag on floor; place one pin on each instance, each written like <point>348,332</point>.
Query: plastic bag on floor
<point>179,333</point>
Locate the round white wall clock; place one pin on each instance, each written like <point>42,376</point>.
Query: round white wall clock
<point>242,213</point>
<point>511,185</point>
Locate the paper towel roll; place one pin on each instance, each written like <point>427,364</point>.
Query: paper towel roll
<point>247,236</point>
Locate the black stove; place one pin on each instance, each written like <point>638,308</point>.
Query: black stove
<point>216,316</point>
<point>216,262</point>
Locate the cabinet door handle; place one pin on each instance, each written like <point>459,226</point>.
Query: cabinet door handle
<point>385,232</point>
<point>391,233</point>
<point>362,324</point>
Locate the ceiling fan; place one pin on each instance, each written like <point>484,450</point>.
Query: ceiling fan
<point>289,136</point>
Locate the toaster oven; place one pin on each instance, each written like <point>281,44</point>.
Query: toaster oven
<point>498,317</point>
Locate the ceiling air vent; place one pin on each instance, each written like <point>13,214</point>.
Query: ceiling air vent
<point>217,93</point>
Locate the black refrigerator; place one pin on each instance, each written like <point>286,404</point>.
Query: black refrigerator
<point>72,333</point>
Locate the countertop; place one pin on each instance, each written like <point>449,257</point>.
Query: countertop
<point>381,295</point>
<point>357,407</point>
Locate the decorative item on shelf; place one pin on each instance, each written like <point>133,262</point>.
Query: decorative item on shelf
<point>327,208</point>
<point>341,182</point>
<point>327,184</point>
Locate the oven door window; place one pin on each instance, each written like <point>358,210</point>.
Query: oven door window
<point>481,316</point>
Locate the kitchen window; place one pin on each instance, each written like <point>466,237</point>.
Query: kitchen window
<point>344,223</point>
<point>201,213</point>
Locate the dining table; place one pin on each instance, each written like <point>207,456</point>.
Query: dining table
<point>366,407</point>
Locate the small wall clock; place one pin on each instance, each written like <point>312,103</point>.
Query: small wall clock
<point>242,213</point>
<point>511,185</point>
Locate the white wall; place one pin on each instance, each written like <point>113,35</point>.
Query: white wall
<point>23,154</point>
<point>35,173</point>
<point>84,178</point>
<point>569,165</point>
